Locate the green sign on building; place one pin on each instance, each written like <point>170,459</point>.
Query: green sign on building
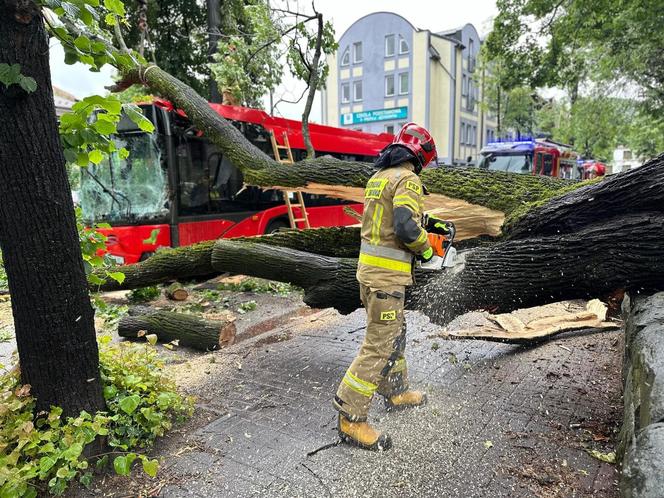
<point>352,118</point>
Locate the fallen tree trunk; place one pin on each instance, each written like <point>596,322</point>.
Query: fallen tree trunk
<point>502,277</point>
<point>637,190</point>
<point>189,330</point>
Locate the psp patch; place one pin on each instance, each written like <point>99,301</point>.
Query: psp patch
<point>415,187</point>
<point>388,316</point>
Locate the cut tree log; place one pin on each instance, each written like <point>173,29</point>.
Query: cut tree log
<point>189,330</point>
<point>176,292</point>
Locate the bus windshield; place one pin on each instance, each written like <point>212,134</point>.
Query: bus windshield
<point>517,163</point>
<point>130,190</point>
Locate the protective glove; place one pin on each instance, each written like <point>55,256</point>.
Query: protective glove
<point>433,224</point>
<point>426,255</point>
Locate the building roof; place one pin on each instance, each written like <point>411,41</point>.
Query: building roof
<point>59,92</point>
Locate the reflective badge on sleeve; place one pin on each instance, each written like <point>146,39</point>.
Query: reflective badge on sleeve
<point>375,188</point>
<point>415,187</point>
<point>388,316</point>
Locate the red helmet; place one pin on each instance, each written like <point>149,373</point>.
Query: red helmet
<point>419,141</point>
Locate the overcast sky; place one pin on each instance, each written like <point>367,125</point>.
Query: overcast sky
<point>424,14</point>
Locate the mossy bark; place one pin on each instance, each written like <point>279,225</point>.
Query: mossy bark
<point>189,330</point>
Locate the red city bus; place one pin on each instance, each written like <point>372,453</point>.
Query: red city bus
<point>179,184</point>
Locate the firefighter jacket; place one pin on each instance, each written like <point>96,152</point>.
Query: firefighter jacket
<point>391,227</point>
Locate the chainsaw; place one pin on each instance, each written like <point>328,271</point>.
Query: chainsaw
<point>444,255</point>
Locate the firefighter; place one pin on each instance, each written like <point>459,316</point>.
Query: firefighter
<point>392,236</point>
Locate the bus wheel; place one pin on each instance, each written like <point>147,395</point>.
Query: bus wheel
<point>276,225</point>
<point>145,256</point>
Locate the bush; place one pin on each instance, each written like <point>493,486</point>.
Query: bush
<point>144,294</point>
<point>46,453</point>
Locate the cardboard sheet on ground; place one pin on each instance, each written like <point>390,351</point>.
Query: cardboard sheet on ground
<point>537,324</point>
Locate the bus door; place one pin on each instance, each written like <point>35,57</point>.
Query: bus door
<point>211,195</point>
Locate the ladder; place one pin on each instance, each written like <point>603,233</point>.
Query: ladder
<point>276,148</point>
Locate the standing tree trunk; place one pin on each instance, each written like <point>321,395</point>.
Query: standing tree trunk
<point>314,77</point>
<point>214,25</point>
<point>52,314</point>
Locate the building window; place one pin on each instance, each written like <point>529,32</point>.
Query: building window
<point>403,83</point>
<point>357,91</point>
<point>462,138</point>
<point>345,58</point>
<point>389,85</point>
<point>390,46</point>
<point>464,86</point>
<point>403,45</point>
<point>389,129</point>
<point>357,52</point>
<point>345,93</point>
<point>471,55</point>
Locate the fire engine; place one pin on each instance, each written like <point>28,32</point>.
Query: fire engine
<point>541,157</point>
<point>176,188</point>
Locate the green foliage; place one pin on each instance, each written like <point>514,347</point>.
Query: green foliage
<point>568,43</point>
<point>247,306</point>
<point>301,48</point>
<point>178,35</point>
<point>3,274</point>
<point>47,453</point>
<point>259,285</point>
<point>144,294</point>
<point>11,75</point>
<point>93,249</point>
<point>86,131</point>
<point>246,63</point>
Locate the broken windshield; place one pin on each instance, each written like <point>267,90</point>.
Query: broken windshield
<point>127,190</point>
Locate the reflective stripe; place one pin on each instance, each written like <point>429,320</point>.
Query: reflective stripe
<point>419,240</point>
<point>399,366</point>
<point>375,224</point>
<point>387,252</point>
<point>388,264</point>
<point>358,385</point>
<point>406,200</point>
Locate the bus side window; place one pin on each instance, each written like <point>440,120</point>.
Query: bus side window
<point>194,195</point>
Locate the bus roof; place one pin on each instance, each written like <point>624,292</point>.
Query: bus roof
<point>323,138</point>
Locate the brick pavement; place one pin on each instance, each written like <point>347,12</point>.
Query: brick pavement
<point>502,420</point>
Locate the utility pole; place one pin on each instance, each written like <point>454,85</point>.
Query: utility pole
<point>214,33</point>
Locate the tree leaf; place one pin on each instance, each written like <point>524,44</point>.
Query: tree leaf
<point>118,276</point>
<point>153,237</point>
<point>130,403</point>
<point>28,84</point>
<point>95,156</point>
<point>150,466</point>
<point>104,127</point>
<point>137,117</point>
<point>121,465</point>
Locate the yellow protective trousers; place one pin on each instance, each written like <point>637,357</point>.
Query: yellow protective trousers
<point>380,365</point>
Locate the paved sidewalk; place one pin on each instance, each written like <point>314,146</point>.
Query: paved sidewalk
<point>502,420</point>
